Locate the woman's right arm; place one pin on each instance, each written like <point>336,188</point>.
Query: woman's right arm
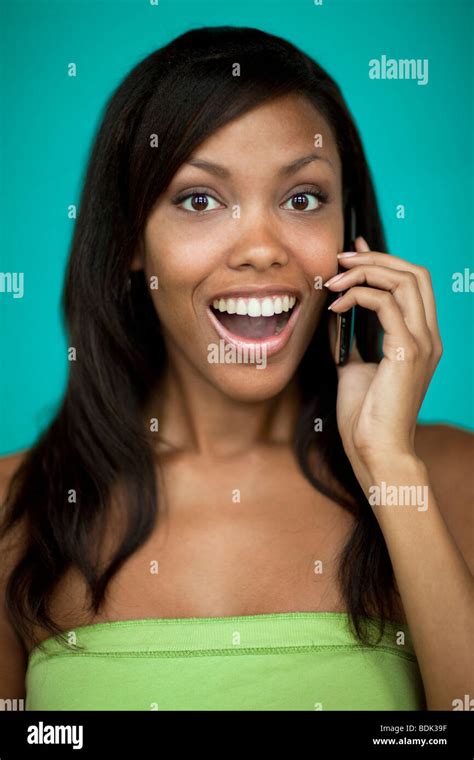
<point>13,654</point>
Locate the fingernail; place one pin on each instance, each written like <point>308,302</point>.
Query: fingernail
<point>334,302</point>
<point>345,254</point>
<point>333,279</point>
<point>364,242</point>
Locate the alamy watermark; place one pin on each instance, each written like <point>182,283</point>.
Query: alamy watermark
<point>228,353</point>
<point>12,705</point>
<point>403,68</point>
<point>12,282</point>
<point>47,734</point>
<point>466,703</point>
<point>463,282</point>
<point>399,496</point>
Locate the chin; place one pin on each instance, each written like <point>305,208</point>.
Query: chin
<point>251,383</point>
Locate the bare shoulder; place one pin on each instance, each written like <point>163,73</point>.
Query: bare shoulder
<point>14,656</point>
<point>448,453</point>
<point>8,466</point>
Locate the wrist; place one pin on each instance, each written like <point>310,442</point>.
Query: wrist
<point>398,466</point>
<point>399,470</point>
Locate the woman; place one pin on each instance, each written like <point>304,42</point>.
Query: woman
<point>211,528</point>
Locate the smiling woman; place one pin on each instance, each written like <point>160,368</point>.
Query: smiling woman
<point>275,221</point>
<point>196,529</point>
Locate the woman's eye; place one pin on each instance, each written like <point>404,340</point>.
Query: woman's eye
<point>198,202</point>
<point>300,201</point>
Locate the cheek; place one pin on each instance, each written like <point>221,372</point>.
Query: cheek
<point>181,258</point>
<point>319,263</point>
<point>180,268</point>
<point>315,249</point>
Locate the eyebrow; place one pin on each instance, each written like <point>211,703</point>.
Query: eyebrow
<point>284,171</point>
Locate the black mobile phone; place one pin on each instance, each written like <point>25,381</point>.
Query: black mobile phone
<point>345,322</point>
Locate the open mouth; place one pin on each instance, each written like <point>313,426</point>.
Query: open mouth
<point>254,318</point>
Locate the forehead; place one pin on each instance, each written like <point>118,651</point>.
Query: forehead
<point>271,135</point>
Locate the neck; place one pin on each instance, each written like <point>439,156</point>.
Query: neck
<point>197,417</point>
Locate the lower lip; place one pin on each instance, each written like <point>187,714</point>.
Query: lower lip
<point>271,345</point>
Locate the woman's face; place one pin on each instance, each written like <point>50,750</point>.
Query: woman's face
<point>241,245</point>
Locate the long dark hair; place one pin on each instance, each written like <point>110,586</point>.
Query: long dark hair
<point>182,93</point>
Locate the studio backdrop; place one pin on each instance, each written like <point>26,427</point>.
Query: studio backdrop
<point>405,69</point>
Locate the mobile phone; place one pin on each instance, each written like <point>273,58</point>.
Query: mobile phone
<point>345,322</point>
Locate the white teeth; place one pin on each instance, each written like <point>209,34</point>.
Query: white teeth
<point>241,307</point>
<point>255,307</point>
<point>267,307</point>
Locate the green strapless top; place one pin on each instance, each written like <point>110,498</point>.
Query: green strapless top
<point>274,661</point>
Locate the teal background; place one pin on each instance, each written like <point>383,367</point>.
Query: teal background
<point>418,140</point>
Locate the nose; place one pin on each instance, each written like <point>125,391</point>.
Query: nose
<point>257,245</point>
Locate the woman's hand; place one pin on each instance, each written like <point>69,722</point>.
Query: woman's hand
<point>378,404</point>
<point>377,409</point>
